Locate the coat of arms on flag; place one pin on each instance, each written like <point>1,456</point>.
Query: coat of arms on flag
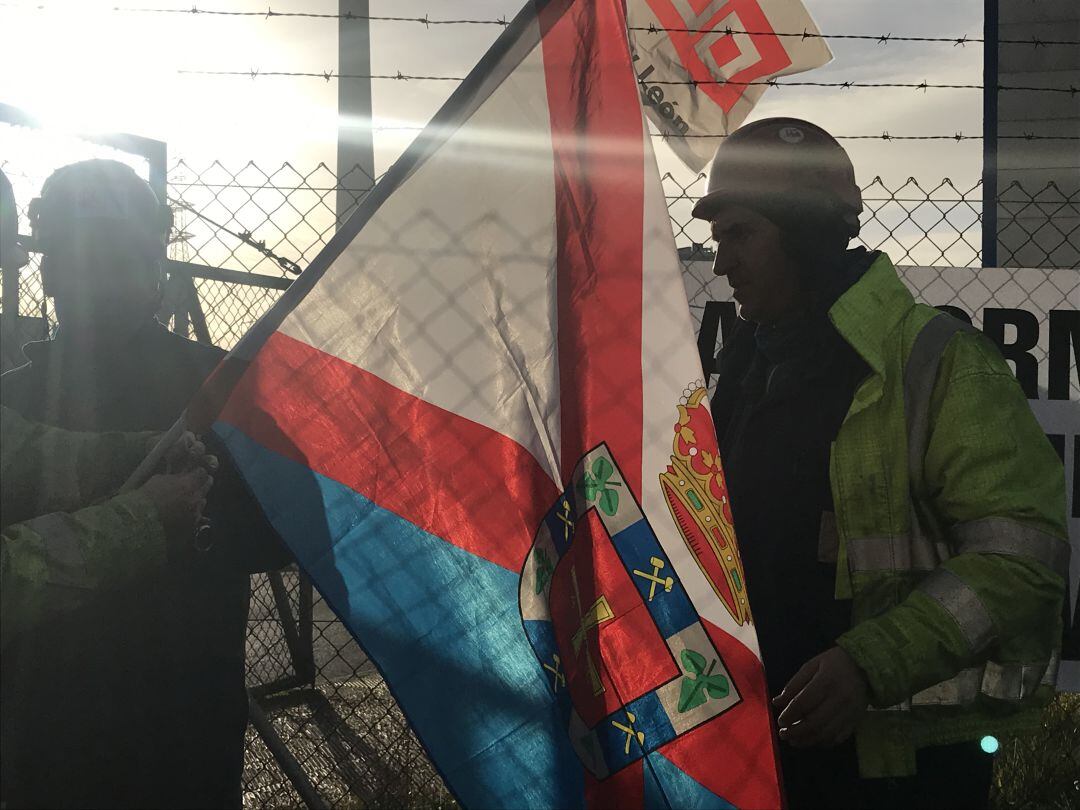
<point>479,442</point>
<point>697,497</point>
<point>662,675</point>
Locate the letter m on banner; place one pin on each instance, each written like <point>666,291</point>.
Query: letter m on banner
<point>720,48</point>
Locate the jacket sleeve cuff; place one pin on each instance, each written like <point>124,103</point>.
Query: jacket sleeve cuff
<point>870,648</point>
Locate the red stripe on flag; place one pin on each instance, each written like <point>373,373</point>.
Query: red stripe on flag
<point>452,477</point>
<point>597,139</point>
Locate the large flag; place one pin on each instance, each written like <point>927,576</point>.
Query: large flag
<point>478,420</point>
<point>704,64</point>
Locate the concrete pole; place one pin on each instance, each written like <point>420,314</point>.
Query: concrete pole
<point>1037,224</point>
<point>355,149</point>
<point>990,135</point>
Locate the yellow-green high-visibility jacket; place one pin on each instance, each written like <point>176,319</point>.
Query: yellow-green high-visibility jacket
<point>52,561</point>
<point>950,507</point>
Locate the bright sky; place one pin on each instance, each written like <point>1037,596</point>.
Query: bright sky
<point>81,65</point>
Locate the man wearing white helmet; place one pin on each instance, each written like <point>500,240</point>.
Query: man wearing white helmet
<point>900,513</point>
<point>138,700</point>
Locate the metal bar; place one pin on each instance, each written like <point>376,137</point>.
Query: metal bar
<point>155,152</point>
<point>336,731</point>
<point>198,322</point>
<point>307,625</point>
<point>194,311</point>
<point>285,760</point>
<point>342,740</point>
<point>229,276</point>
<point>355,148</point>
<point>304,696</point>
<point>990,135</point>
<point>288,623</point>
<point>269,694</point>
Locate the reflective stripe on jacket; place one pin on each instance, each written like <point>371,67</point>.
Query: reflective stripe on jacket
<point>950,508</point>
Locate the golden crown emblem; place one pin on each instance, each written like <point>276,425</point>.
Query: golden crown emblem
<point>697,498</point>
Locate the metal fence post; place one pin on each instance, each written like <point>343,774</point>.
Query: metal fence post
<point>285,760</point>
<point>990,135</point>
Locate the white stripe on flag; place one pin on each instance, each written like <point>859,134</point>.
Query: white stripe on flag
<point>670,365</point>
<point>454,303</point>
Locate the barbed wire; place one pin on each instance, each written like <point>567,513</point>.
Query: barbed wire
<point>246,237</point>
<point>427,21</point>
<point>327,75</point>
<point>255,73</point>
<point>884,136</point>
<point>881,39</point>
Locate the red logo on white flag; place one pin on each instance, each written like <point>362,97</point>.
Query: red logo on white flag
<point>707,51</point>
<point>704,64</point>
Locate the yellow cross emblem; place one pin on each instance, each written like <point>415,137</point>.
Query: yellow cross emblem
<point>655,579</point>
<point>568,524</point>
<point>629,731</point>
<point>556,672</point>
<point>591,619</point>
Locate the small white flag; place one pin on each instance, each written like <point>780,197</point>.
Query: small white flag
<point>724,51</point>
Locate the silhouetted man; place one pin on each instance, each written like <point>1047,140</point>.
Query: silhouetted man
<point>139,700</point>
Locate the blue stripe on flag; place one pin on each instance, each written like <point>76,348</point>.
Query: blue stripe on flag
<point>542,636</point>
<point>443,626</point>
<point>619,732</point>
<point>672,611</point>
<point>667,785</point>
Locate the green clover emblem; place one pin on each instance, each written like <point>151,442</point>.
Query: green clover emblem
<point>598,486</point>
<point>700,684</point>
<point>544,569</point>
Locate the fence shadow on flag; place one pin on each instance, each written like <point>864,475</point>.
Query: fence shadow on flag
<point>351,548</point>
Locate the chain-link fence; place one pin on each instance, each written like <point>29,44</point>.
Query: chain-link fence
<point>342,725</point>
<point>325,729</point>
<point>292,213</point>
<point>248,230</point>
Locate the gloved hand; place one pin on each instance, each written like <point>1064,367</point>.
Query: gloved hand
<point>823,702</point>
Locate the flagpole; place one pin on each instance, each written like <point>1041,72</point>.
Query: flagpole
<point>437,131</point>
<point>147,466</point>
